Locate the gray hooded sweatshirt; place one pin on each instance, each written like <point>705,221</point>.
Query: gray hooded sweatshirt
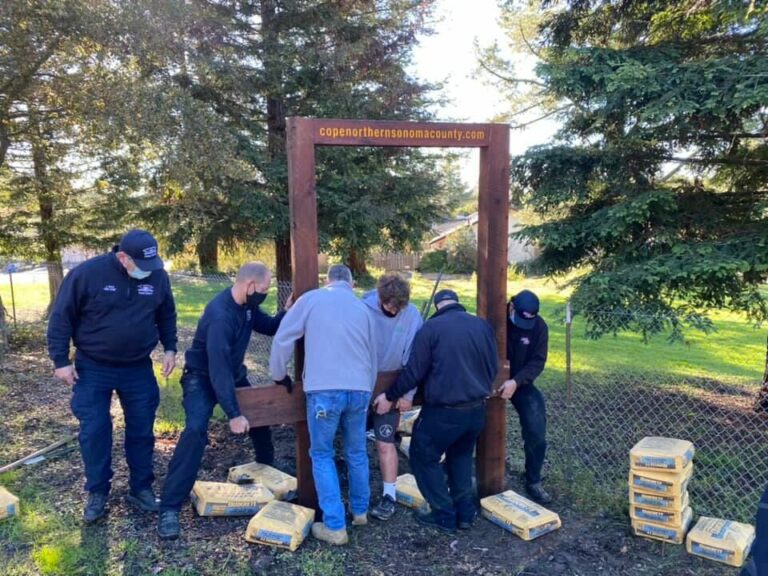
<point>339,340</point>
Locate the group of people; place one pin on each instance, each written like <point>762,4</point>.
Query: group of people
<point>116,307</point>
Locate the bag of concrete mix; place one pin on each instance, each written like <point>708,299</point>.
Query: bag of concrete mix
<point>408,494</point>
<point>669,517</point>
<point>280,524</point>
<point>663,532</point>
<point>721,540</point>
<point>657,501</point>
<point>407,420</point>
<point>282,485</point>
<point>9,504</point>
<point>405,446</point>
<point>516,514</point>
<point>664,454</point>
<point>225,499</point>
<point>661,483</point>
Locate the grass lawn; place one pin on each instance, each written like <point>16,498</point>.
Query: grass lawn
<point>736,351</point>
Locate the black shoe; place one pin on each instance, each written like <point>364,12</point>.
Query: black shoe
<point>538,494</point>
<point>95,507</point>
<point>168,527</point>
<point>429,519</point>
<point>466,523</point>
<point>145,499</point>
<point>385,508</point>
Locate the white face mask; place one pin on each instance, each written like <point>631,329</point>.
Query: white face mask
<point>138,273</point>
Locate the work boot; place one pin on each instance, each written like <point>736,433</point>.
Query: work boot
<point>429,519</point>
<point>145,500</point>
<point>538,494</point>
<point>359,519</point>
<point>384,509</point>
<point>335,537</point>
<point>168,527</point>
<point>466,523</point>
<point>95,507</point>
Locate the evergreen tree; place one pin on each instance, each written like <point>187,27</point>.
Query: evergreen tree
<point>654,194</point>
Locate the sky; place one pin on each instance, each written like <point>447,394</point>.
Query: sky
<point>449,56</point>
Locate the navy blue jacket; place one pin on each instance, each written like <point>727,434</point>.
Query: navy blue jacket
<point>527,351</point>
<point>220,343</point>
<point>111,318</point>
<point>453,357</point>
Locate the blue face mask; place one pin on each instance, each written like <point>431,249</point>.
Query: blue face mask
<point>138,273</point>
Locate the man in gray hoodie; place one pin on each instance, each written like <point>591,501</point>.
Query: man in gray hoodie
<point>396,323</point>
<point>339,376</point>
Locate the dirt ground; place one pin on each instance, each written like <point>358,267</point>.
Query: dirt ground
<point>34,411</point>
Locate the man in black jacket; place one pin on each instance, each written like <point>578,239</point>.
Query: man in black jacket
<point>213,369</point>
<point>454,359</point>
<point>115,308</point>
<point>527,342</point>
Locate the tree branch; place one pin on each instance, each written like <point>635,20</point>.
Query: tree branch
<point>509,79</point>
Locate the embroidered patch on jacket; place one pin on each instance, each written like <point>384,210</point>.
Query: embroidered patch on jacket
<point>146,289</point>
<point>525,340</point>
<point>110,288</point>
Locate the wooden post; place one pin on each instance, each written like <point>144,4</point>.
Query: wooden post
<point>492,265</point>
<point>303,210</point>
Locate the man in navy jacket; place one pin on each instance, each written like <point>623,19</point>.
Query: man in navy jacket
<point>213,369</point>
<point>115,308</point>
<point>454,360</point>
<point>527,343</point>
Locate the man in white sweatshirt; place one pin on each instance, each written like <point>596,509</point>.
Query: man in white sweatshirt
<point>339,376</point>
<point>396,323</point>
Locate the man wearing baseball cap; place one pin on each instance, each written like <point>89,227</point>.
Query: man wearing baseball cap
<point>454,360</point>
<point>115,308</point>
<point>527,343</point>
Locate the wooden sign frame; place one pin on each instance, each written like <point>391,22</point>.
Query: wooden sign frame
<point>272,405</point>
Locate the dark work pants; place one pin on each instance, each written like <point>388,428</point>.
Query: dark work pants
<point>453,432</point>
<point>758,565</point>
<point>137,390</point>
<point>529,403</point>
<point>199,401</point>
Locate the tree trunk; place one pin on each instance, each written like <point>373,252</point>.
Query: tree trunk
<point>208,253</point>
<point>356,262</point>
<point>47,211</point>
<point>276,140</point>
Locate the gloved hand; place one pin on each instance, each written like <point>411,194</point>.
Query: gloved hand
<point>287,382</point>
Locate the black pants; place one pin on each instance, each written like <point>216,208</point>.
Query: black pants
<point>758,565</point>
<point>199,401</point>
<point>453,432</point>
<point>529,403</point>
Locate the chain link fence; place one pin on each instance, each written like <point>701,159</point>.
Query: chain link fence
<point>610,393</point>
<point>602,409</point>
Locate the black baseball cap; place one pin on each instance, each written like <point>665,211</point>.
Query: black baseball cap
<point>526,305</point>
<point>445,295</point>
<point>141,246</point>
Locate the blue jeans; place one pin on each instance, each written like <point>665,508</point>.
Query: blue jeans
<point>199,401</point>
<point>531,409</point>
<point>136,387</point>
<point>326,413</point>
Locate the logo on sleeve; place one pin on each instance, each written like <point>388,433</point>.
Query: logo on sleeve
<point>248,315</point>
<point>146,289</point>
<point>110,288</point>
<point>150,252</point>
<point>525,341</point>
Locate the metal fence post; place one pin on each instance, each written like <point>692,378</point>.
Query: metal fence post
<point>569,457</point>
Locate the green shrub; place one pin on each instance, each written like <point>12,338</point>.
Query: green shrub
<point>434,261</point>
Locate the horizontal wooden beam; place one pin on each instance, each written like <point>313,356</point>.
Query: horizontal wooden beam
<point>271,405</point>
<point>341,132</point>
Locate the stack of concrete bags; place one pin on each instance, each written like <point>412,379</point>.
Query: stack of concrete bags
<point>660,470</point>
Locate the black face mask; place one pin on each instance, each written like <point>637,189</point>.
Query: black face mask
<point>253,300</point>
<point>387,313</point>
